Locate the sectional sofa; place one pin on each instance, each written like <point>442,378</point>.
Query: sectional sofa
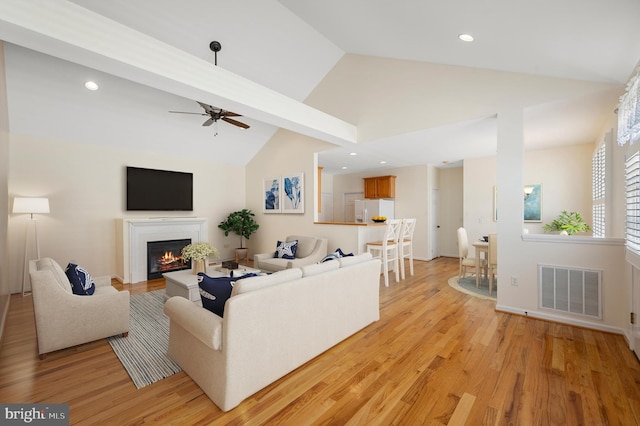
<point>272,324</point>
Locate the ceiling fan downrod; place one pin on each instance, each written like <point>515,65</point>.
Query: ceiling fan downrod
<point>215,46</point>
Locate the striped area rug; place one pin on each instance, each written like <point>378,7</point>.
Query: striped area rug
<point>143,353</point>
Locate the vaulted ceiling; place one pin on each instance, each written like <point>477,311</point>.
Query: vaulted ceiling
<point>396,71</point>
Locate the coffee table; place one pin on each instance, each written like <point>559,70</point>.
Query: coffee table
<point>185,283</point>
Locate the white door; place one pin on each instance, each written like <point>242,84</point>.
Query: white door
<point>349,205</point>
<point>435,225</point>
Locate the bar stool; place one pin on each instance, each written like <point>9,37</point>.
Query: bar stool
<point>387,249</point>
<point>406,244</point>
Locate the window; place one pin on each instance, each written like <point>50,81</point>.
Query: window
<point>632,180</point>
<point>599,191</point>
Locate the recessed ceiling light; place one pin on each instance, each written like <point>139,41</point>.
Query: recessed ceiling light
<point>353,153</point>
<point>91,85</point>
<point>383,162</point>
<point>344,167</point>
<point>465,37</point>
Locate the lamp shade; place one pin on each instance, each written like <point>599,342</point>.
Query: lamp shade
<point>30,205</point>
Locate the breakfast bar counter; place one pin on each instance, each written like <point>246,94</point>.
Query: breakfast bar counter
<point>350,236</point>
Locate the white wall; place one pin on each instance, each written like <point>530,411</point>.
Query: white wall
<point>85,185</point>
<point>4,179</point>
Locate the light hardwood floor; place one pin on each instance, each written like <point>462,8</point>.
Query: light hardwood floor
<point>437,356</point>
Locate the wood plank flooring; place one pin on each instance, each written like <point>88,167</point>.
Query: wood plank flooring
<point>436,357</point>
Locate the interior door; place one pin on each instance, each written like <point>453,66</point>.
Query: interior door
<point>434,238</point>
<point>349,205</point>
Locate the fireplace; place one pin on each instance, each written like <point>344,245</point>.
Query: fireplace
<point>166,256</point>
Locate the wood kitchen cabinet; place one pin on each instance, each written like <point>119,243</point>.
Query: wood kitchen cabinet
<point>380,187</point>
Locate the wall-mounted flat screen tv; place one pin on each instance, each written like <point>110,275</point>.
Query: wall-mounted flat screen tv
<point>159,190</point>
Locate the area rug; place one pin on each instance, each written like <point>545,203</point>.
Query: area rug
<point>143,353</point>
<point>468,285</point>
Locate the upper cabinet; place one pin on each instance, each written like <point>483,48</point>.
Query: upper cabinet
<point>380,187</point>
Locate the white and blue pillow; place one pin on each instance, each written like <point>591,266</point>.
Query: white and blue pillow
<point>286,249</point>
<point>215,291</point>
<point>335,256</point>
<point>81,282</point>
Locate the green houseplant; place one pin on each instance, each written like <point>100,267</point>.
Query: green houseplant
<point>569,222</point>
<point>241,223</point>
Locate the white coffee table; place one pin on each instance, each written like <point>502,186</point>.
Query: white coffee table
<point>185,283</point>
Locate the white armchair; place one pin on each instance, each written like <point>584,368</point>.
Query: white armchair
<point>64,319</point>
<point>310,250</point>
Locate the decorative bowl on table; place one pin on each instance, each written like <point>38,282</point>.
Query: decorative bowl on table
<point>379,219</point>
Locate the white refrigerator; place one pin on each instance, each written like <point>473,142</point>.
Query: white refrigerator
<point>366,209</point>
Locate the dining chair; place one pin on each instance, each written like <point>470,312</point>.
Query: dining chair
<point>406,244</point>
<point>492,260</point>
<point>387,250</point>
<point>463,253</point>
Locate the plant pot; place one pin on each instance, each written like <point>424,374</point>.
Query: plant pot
<point>242,253</point>
<point>198,266</point>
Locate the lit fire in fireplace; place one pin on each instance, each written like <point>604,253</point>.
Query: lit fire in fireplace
<point>165,256</point>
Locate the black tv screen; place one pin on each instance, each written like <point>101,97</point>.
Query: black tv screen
<point>160,190</point>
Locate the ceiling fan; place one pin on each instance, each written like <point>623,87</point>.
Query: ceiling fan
<point>216,114</point>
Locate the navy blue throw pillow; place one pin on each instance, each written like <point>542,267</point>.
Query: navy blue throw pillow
<point>286,249</point>
<point>215,291</point>
<point>81,282</point>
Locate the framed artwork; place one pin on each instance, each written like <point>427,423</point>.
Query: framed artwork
<point>293,193</point>
<point>271,194</point>
<point>533,203</point>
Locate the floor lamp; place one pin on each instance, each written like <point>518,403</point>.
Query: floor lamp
<point>31,206</point>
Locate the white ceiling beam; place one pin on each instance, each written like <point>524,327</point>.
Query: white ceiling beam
<point>68,31</point>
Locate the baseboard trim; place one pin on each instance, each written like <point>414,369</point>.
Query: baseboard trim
<point>560,319</point>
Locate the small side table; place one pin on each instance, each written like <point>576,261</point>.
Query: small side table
<point>242,253</point>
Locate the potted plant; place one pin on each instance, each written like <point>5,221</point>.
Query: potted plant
<point>198,252</point>
<point>567,223</point>
<point>241,223</point>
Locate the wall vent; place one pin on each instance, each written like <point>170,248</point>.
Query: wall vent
<point>570,290</point>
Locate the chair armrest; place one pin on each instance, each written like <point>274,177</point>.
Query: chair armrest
<point>203,324</point>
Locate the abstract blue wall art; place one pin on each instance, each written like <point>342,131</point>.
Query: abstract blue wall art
<point>271,194</point>
<point>293,199</point>
<point>533,203</point>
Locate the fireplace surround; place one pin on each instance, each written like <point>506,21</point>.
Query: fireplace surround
<point>134,234</point>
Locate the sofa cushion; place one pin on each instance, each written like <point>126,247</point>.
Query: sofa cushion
<point>286,249</point>
<point>352,260</point>
<point>305,244</point>
<point>49,264</point>
<point>319,268</point>
<point>214,291</point>
<point>81,282</point>
<point>263,281</point>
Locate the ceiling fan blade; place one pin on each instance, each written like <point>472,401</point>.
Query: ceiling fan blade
<point>230,114</point>
<point>235,122</point>
<point>209,122</point>
<point>184,112</point>
<point>207,108</point>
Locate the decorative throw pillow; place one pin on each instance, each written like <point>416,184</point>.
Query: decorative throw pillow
<point>286,249</point>
<point>214,292</point>
<point>81,282</point>
<point>331,256</point>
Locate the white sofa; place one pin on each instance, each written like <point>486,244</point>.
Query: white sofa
<point>272,324</point>
<point>310,250</point>
<point>64,319</point>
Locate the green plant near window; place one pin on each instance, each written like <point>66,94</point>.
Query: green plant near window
<point>241,223</point>
<point>570,222</point>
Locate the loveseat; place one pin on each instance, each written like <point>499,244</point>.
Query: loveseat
<point>272,324</point>
<point>309,250</point>
<point>64,319</point>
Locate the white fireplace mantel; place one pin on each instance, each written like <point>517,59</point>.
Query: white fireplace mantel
<point>134,234</point>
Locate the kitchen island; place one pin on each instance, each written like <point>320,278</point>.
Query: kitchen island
<point>351,237</point>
